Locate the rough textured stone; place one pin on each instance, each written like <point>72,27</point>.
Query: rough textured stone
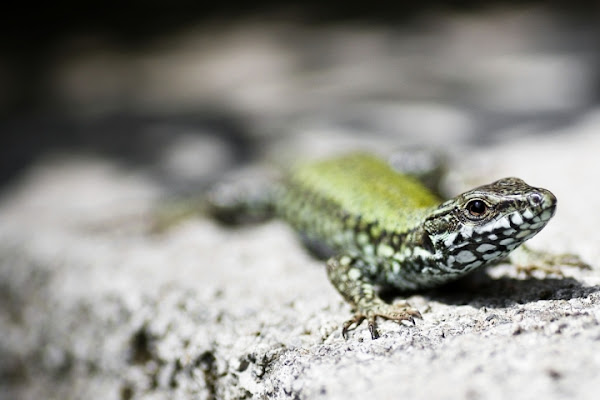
<point>93,306</point>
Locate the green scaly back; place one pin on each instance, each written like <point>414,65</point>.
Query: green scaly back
<point>335,199</point>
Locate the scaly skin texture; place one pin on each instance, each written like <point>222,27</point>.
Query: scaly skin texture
<point>384,228</point>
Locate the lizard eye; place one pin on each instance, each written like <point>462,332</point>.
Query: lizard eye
<point>476,208</point>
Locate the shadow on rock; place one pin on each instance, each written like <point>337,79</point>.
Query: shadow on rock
<point>481,290</point>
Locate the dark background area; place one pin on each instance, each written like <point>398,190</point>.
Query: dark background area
<point>30,34</point>
<point>33,122</point>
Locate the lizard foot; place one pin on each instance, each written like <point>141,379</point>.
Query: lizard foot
<point>396,313</point>
<point>528,261</point>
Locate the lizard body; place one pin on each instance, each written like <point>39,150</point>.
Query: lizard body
<point>384,228</point>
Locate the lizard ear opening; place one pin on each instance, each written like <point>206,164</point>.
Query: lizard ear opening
<point>427,243</point>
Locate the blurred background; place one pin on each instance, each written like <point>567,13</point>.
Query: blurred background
<point>187,90</point>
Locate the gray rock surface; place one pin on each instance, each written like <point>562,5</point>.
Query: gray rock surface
<point>95,307</point>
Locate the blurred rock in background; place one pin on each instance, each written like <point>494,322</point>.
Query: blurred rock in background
<point>138,82</point>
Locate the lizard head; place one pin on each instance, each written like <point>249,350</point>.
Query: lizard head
<point>484,224</point>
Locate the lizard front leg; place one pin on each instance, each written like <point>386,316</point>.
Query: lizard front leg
<point>347,274</point>
<point>528,260</point>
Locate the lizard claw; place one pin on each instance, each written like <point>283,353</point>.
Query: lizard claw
<point>572,260</point>
<point>373,329</point>
<point>357,319</point>
<point>396,313</point>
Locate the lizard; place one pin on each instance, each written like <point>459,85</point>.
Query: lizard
<point>381,228</point>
